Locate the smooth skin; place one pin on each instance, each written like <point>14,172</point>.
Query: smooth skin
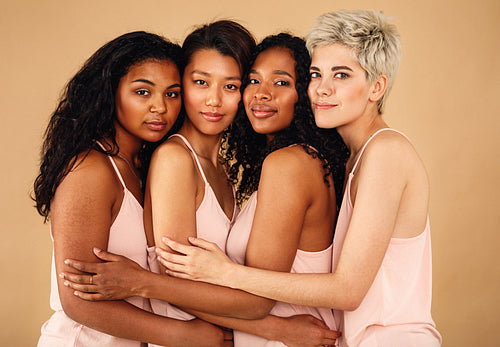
<point>89,197</point>
<point>303,220</point>
<point>389,192</point>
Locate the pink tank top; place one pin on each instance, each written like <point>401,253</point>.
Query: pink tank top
<point>304,262</point>
<point>396,311</point>
<point>212,224</point>
<point>126,237</point>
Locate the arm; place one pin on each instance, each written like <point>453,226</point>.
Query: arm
<point>381,182</point>
<point>81,215</point>
<point>174,192</point>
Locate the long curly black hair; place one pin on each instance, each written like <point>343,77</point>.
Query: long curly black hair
<point>244,150</point>
<point>86,110</point>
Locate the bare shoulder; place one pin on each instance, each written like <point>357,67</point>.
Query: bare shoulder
<point>391,156</point>
<point>294,158</point>
<point>92,171</point>
<point>294,168</point>
<point>90,188</point>
<point>172,156</point>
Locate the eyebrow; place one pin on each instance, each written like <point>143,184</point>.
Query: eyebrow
<point>334,68</point>
<point>276,72</point>
<point>204,73</point>
<point>152,83</point>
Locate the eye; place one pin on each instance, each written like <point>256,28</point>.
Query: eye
<point>282,83</point>
<point>200,82</point>
<point>315,74</point>
<point>172,95</point>
<point>232,87</point>
<point>341,75</point>
<point>142,92</point>
<point>253,81</point>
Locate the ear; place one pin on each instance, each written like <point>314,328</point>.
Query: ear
<point>378,88</point>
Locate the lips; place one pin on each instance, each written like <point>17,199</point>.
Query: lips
<point>212,116</point>
<point>324,106</point>
<point>156,125</point>
<point>262,111</point>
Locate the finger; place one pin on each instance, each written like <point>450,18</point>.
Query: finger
<point>76,278</point>
<point>82,266</point>
<point>106,256</point>
<point>204,244</point>
<point>87,288</point>
<point>171,257</point>
<point>228,335</point>
<point>180,268</point>
<point>176,246</point>
<point>179,275</point>
<point>89,296</point>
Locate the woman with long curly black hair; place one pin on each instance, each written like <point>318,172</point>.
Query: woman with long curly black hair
<point>126,97</point>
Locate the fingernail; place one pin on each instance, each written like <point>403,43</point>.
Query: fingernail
<point>61,275</point>
<point>164,239</point>
<point>97,250</point>
<point>75,293</point>
<point>66,262</point>
<point>66,283</point>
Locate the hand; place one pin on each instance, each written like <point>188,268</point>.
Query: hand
<point>305,330</point>
<point>115,279</point>
<point>208,335</point>
<point>204,261</point>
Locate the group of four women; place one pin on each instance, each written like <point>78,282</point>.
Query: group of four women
<point>243,150</point>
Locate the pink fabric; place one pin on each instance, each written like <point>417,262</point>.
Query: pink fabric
<point>212,225</point>
<point>304,262</point>
<point>126,237</point>
<point>396,311</point>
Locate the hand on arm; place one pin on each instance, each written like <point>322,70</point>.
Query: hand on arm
<point>81,216</point>
<point>381,180</point>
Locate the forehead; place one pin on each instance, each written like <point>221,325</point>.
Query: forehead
<point>334,54</point>
<point>153,68</point>
<point>275,59</point>
<point>211,61</point>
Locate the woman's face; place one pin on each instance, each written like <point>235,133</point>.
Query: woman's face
<point>339,90</point>
<point>148,101</point>
<point>211,85</point>
<point>270,96</point>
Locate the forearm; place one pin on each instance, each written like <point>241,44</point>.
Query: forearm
<point>121,319</point>
<point>266,327</point>
<point>317,290</point>
<point>204,297</point>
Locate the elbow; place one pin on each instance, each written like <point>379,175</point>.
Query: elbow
<point>351,305</point>
<point>256,309</point>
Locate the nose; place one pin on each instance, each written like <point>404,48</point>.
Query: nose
<point>159,105</point>
<point>324,87</point>
<point>263,92</point>
<point>213,97</point>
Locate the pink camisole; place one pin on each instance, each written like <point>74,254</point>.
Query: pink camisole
<point>304,262</point>
<point>212,224</point>
<point>126,237</point>
<point>396,311</point>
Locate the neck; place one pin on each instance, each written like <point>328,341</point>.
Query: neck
<point>205,146</point>
<point>357,133</point>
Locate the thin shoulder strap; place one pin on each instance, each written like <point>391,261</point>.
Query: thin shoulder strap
<point>368,141</point>
<point>115,167</point>
<point>195,155</point>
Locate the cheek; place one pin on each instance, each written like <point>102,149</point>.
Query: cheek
<point>231,102</point>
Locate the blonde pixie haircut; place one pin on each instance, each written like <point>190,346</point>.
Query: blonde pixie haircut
<point>374,41</point>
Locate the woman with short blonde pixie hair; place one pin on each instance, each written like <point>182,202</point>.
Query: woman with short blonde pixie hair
<point>374,41</point>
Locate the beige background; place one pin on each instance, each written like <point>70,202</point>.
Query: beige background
<point>445,99</point>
